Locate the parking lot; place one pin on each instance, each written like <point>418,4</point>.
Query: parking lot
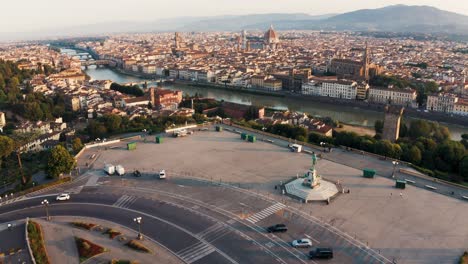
<point>412,225</point>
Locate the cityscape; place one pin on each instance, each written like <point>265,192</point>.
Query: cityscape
<point>257,135</point>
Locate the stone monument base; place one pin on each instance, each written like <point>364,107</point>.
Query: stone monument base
<point>319,193</point>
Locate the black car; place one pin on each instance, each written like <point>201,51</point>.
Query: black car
<point>321,253</point>
<point>137,173</point>
<point>277,228</point>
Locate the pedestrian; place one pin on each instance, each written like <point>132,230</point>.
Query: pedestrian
<point>401,195</point>
<point>391,194</point>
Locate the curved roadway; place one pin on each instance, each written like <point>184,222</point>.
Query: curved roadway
<point>192,230</point>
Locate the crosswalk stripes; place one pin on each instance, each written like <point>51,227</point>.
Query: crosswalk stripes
<point>11,200</point>
<point>75,190</point>
<point>265,213</point>
<point>214,232</point>
<point>125,201</point>
<point>195,252</point>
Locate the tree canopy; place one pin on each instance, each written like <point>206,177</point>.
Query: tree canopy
<point>60,161</point>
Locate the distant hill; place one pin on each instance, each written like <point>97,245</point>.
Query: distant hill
<point>399,18</point>
<point>396,18</point>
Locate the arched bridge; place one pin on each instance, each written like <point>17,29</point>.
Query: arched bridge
<point>96,62</point>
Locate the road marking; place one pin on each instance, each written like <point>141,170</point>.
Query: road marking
<point>265,213</point>
<point>214,232</point>
<point>270,244</point>
<point>125,201</point>
<point>195,252</point>
<point>309,237</point>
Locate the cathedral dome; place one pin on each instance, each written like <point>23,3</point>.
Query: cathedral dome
<point>271,36</point>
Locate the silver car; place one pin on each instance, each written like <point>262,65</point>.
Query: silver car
<point>305,243</point>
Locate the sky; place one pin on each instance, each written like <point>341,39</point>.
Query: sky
<point>36,15</point>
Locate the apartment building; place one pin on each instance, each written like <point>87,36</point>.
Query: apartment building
<point>460,107</point>
<point>443,102</point>
<point>343,89</point>
<point>404,97</point>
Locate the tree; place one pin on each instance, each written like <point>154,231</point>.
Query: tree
<point>464,168</point>
<point>449,155</point>
<point>96,129</point>
<point>414,155</point>
<point>403,130</point>
<point>378,126</point>
<point>7,145</point>
<point>419,128</point>
<point>384,148</point>
<point>77,145</point>
<point>59,161</point>
<point>113,122</point>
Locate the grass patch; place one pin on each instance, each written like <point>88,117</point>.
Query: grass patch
<point>464,258</point>
<point>133,244</point>
<point>117,261</point>
<point>87,226</point>
<point>112,233</point>
<point>36,240</point>
<point>87,249</point>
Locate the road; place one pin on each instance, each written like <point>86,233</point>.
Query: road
<point>198,232</point>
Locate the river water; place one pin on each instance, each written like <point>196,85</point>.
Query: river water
<point>345,114</point>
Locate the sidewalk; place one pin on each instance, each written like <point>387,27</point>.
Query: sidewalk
<point>61,248</point>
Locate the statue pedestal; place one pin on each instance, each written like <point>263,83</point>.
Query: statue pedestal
<point>312,180</point>
<point>322,191</point>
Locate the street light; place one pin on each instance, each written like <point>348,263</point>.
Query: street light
<point>395,163</point>
<point>322,144</point>
<point>138,221</point>
<point>46,205</point>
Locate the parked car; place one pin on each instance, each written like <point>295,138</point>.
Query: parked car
<point>277,228</point>
<point>63,197</point>
<point>162,174</point>
<point>304,242</point>
<point>321,253</point>
<point>137,173</point>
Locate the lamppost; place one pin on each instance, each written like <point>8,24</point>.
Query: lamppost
<point>322,144</point>
<point>138,221</point>
<point>395,163</point>
<point>46,205</point>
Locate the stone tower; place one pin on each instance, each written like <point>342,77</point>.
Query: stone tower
<point>366,62</point>
<point>391,129</point>
<point>176,40</point>
<point>244,40</point>
<point>151,95</point>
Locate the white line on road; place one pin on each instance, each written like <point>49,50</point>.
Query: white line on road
<point>309,237</point>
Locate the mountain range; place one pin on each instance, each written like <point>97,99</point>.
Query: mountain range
<point>396,18</point>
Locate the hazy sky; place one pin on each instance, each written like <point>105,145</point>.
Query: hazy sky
<point>33,15</point>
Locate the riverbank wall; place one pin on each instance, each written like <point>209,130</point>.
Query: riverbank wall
<point>409,112</point>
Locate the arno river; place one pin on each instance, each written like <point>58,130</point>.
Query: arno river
<point>345,114</point>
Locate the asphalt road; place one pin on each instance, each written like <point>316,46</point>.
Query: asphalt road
<point>194,232</point>
<point>191,237</point>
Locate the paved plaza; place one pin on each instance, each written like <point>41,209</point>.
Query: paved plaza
<point>411,226</point>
